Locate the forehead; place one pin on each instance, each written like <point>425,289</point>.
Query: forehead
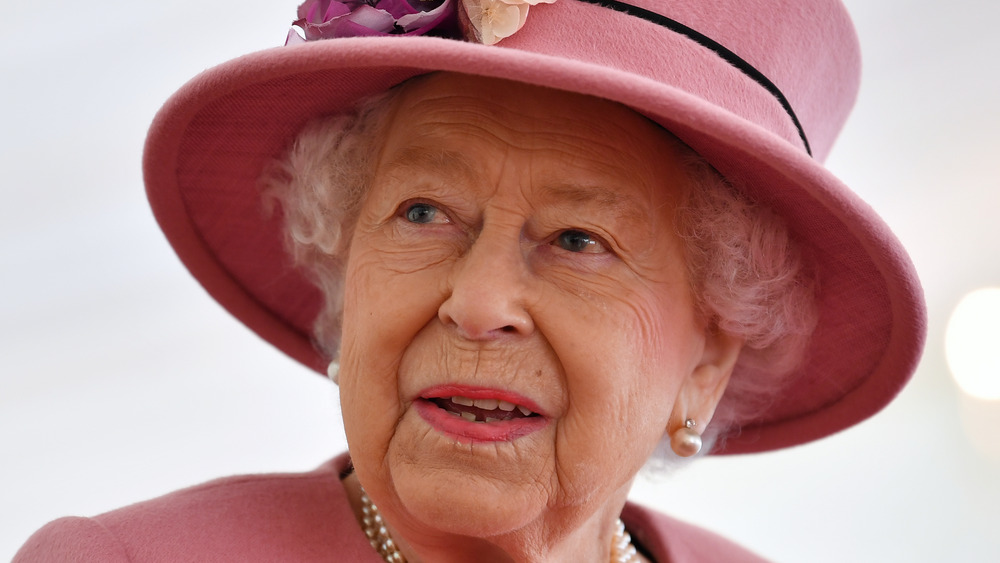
<point>444,95</point>
<point>439,118</point>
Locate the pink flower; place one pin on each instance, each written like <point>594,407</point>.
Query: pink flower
<point>328,19</point>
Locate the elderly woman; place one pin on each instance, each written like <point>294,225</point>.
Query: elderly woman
<point>530,247</point>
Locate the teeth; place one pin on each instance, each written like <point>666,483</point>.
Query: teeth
<point>491,419</point>
<point>469,416</point>
<point>454,414</point>
<point>486,404</point>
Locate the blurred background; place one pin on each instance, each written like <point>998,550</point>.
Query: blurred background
<point>121,380</point>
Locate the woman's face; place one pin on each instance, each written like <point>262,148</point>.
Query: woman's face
<point>516,252</point>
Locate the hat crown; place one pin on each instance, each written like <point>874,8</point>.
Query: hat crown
<point>808,50</point>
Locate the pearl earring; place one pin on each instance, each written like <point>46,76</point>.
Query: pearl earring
<point>333,371</point>
<point>685,441</point>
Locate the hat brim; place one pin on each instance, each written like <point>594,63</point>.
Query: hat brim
<point>208,145</point>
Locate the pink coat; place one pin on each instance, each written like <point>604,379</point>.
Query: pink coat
<point>290,517</point>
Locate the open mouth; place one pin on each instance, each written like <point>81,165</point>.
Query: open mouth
<point>479,414</point>
<point>482,410</point>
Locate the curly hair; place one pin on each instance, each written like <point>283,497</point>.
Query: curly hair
<point>747,273</point>
<point>320,184</point>
<point>750,280</point>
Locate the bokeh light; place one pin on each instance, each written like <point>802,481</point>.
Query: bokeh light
<point>972,343</point>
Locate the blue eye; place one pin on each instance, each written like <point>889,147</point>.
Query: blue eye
<point>578,241</point>
<point>421,213</point>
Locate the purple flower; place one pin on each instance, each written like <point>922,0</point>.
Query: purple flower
<point>328,19</point>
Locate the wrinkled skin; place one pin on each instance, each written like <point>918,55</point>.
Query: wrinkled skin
<point>519,239</point>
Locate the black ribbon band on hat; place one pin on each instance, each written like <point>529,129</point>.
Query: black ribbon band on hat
<point>727,55</point>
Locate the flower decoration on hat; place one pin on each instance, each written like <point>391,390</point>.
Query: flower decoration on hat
<point>330,19</point>
<point>494,20</point>
<point>485,21</point>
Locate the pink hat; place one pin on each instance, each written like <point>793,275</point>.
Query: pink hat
<point>760,88</point>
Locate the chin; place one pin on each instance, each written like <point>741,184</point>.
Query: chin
<point>468,504</point>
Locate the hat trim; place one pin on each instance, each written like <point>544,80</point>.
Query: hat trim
<point>719,49</point>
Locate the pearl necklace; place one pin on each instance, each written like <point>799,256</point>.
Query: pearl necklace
<point>622,550</point>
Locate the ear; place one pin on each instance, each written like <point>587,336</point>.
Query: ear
<point>704,386</point>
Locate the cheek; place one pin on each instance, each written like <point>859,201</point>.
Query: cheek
<point>388,297</point>
<point>638,327</point>
<point>383,311</point>
<point>627,357</point>
<point>621,386</point>
<point>664,353</point>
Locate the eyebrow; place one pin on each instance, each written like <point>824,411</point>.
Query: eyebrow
<point>420,157</point>
<point>624,207</point>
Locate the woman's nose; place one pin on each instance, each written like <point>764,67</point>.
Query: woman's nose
<point>489,292</point>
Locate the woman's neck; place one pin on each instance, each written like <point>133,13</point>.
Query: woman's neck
<point>587,541</point>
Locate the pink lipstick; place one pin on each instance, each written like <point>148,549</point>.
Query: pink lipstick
<point>476,414</point>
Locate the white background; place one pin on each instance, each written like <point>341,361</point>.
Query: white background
<point>121,380</point>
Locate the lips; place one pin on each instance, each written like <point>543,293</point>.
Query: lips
<point>479,415</point>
